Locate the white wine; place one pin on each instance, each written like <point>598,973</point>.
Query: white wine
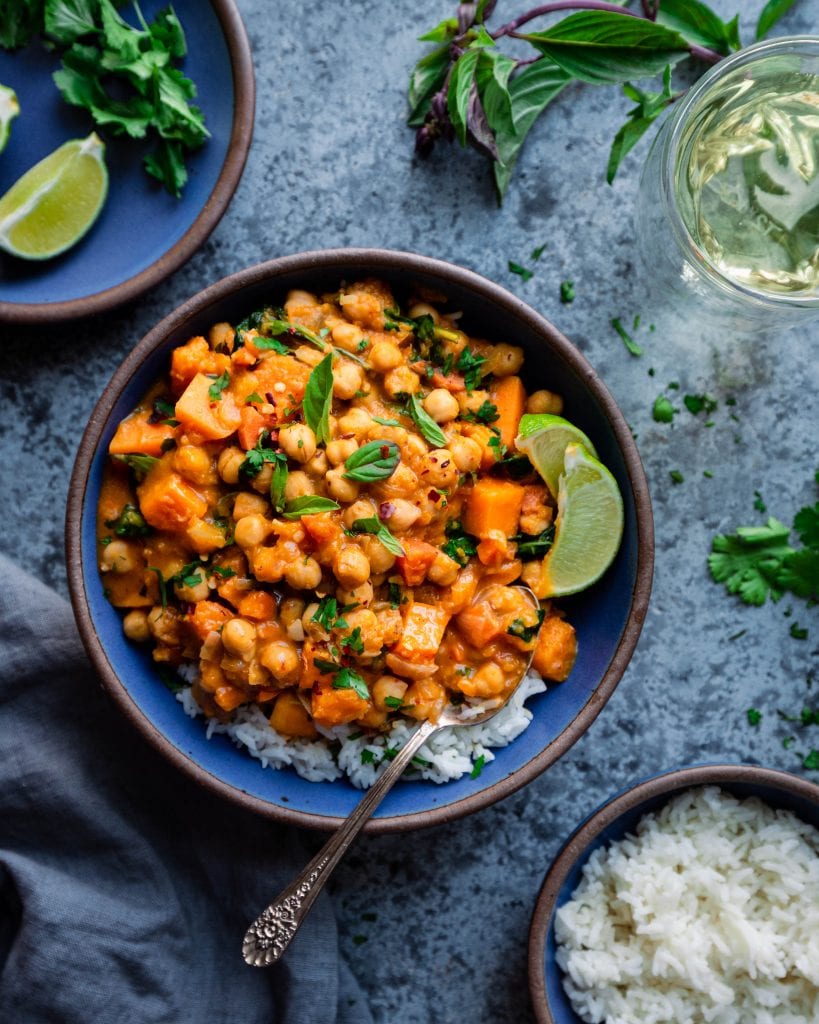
<point>747,178</point>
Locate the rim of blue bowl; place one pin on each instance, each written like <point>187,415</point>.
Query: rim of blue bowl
<point>574,848</point>
<point>346,260</point>
<point>244,106</point>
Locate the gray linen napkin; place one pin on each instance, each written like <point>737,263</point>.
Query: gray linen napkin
<point>125,889</point>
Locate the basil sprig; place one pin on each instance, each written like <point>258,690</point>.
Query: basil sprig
<point>426,424</point>
<point>278,481</point>
<point>309,505</point>
<point>375,527</point>
<point>375,461</point>
<point>318,397</point>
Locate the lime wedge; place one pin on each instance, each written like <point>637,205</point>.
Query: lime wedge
<point>53,205</point>
<point>588,527</point>
<point>9,109</point>
<point>544,438</point>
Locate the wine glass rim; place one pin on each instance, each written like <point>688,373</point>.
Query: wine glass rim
<point>802,44</point>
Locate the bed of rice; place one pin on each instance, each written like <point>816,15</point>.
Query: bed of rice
<point>448,754</point>
<point>710,913</point>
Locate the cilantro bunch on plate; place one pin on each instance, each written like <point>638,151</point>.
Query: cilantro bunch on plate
<point>127,77</point>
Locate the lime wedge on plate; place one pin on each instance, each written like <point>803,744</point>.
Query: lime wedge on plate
<point>544,438</point>
<point>53,205</point>
<point>9,109</point>
<point>588,527</point>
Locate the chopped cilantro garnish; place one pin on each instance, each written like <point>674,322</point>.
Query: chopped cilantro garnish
<point>663,411</point>
<point>353,642</point>
<point>567,292</point>
<point>631,345</point>
<point>519,629</point>
<point>522,272</point>
<point>218,386</point>
<point>129,523</point>
<point>477,767</point>
<point>459,546</point>
<point>699,403</point>
<point>486,413</point>
<point>676,476</point>
<point>469,363</point>
<point>798,632</point>
<point>759,504</point>
<point>754,716</point>
<point>537,253</point>
<point>347,679</point>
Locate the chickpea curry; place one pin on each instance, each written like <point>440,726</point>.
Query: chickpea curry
<point>325,500</point>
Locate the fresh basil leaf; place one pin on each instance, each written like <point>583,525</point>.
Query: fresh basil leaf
<point>426,424</point>
<point>347,679</point>
<point>601,47</point>
<point>309,505</point>
<point>442,33</point>
<point>278,481</point>
<point>386,423</point>
<point>218,386</point>
<point>375,527</point>
<point>478,128</point>
<point>318,397</point>
<point>492,78</point>
<point>531,90</point>
<point>461,81</point>
<point>275,326</point>
<point>771,13</point>
<point>271,345</point>
<point>649,106</point>
<point>374,461</point>
<point>427,78</point>
<point>697,23</point>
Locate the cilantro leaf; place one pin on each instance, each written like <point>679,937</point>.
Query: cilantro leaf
<point>470,363</point>
<point>699,403</point>
<point>519,629</point>
<point>754,716</point>
<point>631,345</point>
<point>347,679</point>
<point>663,411</point>
<point>522,272</point>
<point>567,292</point>
<point>459,546</point>
<point>750,561</point>
<point>806,524</point>
<point>218,386</point>
<point>129,523</point>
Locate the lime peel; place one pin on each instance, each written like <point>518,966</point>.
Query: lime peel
<point>54,204</point>
<point>544,437</point>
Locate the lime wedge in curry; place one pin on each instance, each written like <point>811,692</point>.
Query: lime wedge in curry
<point>588,527</point>
<point>53,205</point>
<point>9,109</point>
<point>544,438</point>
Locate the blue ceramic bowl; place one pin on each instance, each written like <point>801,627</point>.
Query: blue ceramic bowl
<point>143,233</point>
<point>608,617</point>
<point>611,822</point>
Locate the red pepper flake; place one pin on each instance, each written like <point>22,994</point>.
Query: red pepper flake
<point>444,464</point>
<point>386,509</point>
<point>385,451</point>
<point>269,396</point>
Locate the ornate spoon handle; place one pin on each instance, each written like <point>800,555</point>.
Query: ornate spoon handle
<point>270,934</point>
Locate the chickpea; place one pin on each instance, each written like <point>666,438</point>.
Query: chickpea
<point>239,636</point>
<point>416,446</point>
<point>291,610</point>
<point>388,686</point>
<point>135,626</point>
<point>349,336</point>
<point>381,560</point>
<point>472,402</point>
<point>193,463</point>
<point>228,464</point>
<point>303,574</point>
<point>488,681</point>
<point>251,530</point>
<point>544,401</point>
<point>441,405</point>
<point>340,489</point>
<point>402,515</point>
<point>296,297</point>
<point>385,356</point>
<point>318,465</point>
<point>339,451</point>
<point>378,432</point>
<point>357,421</point>
<point>443,571</point>
<point>466,454</point>
<point>402,481</point>
<point>297,485</point>
<point>309,626</point>
<point>261,482</point>
<point>351,566</point>
<point>298,441</point>
<point>362,594</point>
<point>197,592</point>
<point>440,469</point>
<point>247,504</point>
<point>424,699</point>
<point>424,309</point>
<point>282,660</point>
<point>401,379</point>
<point>347,379</point>
<point>118,557</point>
<point>361,509</point>
<point>221,337</point>
<point>504,360</point>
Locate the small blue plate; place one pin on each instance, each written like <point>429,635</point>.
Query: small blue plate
<point>610,823</point>
<point>143,234</point>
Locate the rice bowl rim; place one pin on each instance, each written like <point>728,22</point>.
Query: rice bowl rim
<point>349,261</point>
<point>576,846</point>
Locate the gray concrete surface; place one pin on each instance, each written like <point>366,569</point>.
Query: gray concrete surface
<point>435,924</point>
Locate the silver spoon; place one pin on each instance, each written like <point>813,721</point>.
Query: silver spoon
<point>270,934</point>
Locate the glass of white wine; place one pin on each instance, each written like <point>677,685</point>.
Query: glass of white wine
<point>728,210</point>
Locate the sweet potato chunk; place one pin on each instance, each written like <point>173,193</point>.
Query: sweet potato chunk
<point>168,502</point>
<point>424,626</point>
<point>414,564</point>
<point>493,505</point>
<point>337,707</point>
<point>192,358</point>
<point>556,649</point>
<point>136,435</point>
<point>290,717</point>
<point>480,624</point>
<point>258,605</point>
<point>508,396</point>
<point>208,617</point>
<point>198,412</point>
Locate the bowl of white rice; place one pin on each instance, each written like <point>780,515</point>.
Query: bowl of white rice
<point>690,898</point>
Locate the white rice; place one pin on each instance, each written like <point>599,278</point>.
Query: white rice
<point>449,753</point>
<point>710,913</point>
